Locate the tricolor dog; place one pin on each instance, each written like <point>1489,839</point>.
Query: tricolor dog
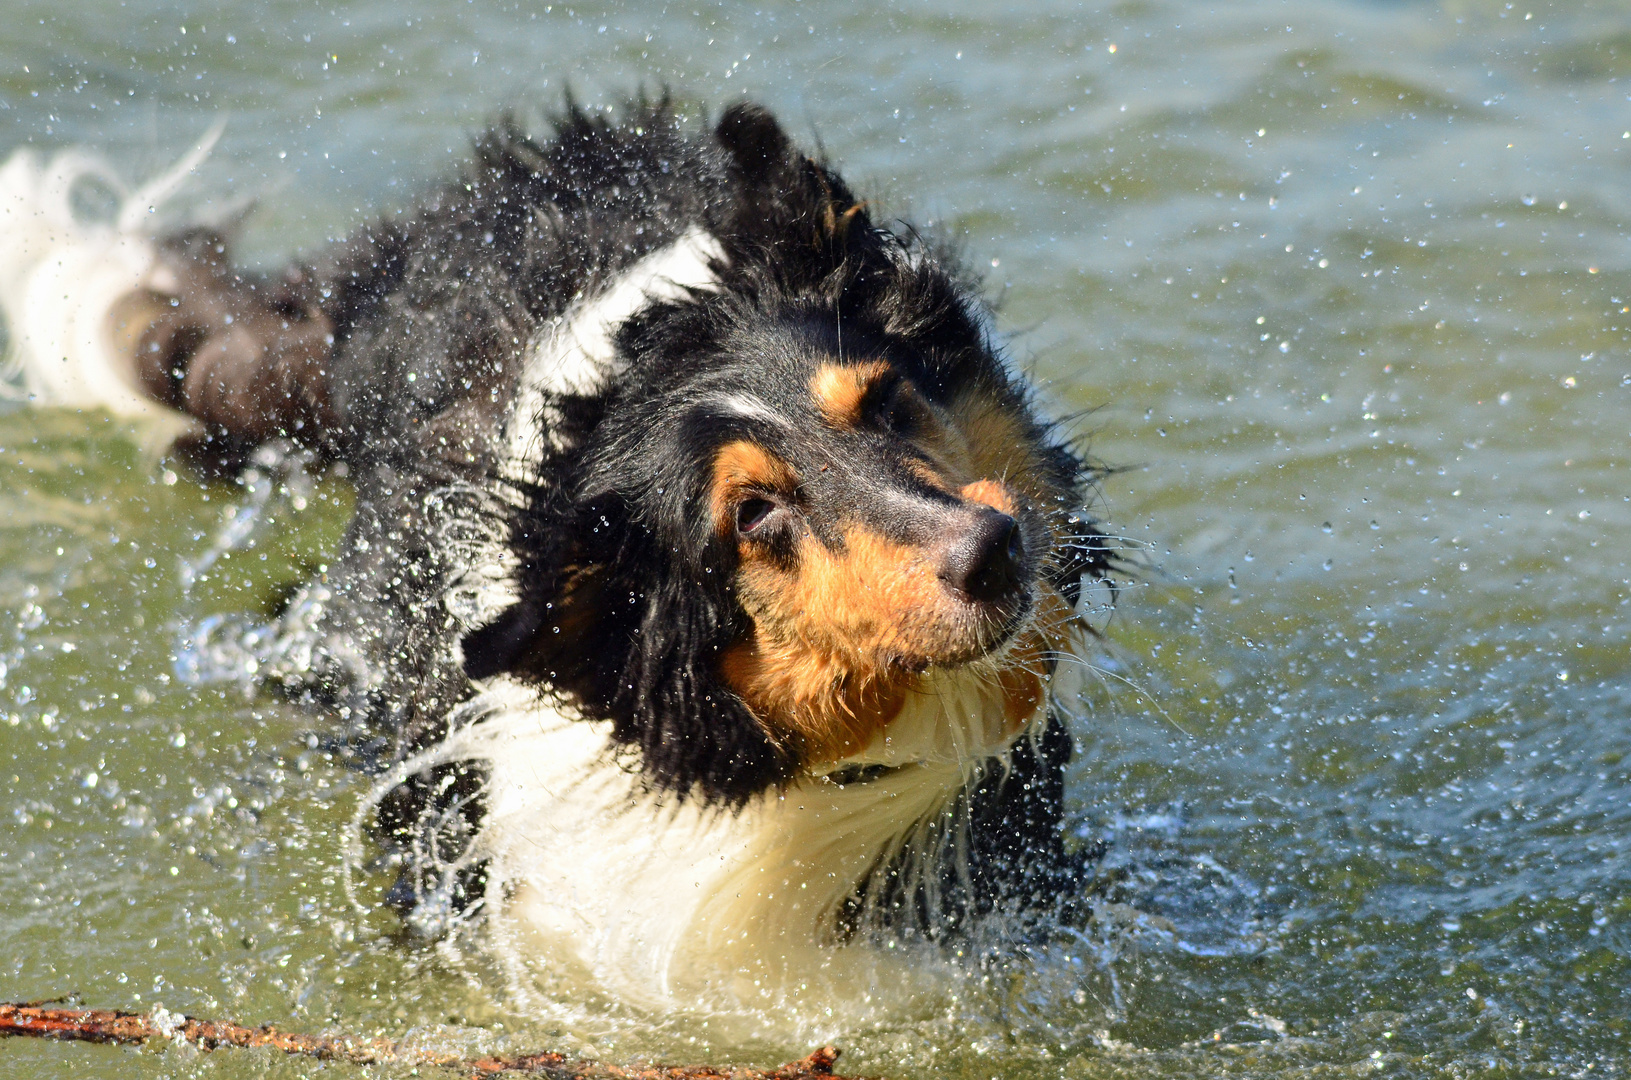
<point>712,594</point>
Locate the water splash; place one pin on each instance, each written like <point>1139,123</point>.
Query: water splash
<point>1159,895</point>
<point>234,647</point>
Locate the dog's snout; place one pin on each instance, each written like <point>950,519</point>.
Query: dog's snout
<point>987,562</point>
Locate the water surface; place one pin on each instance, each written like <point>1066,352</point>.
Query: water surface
<point>1342,287</point>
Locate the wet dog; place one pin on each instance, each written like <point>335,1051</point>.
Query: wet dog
<point>711,594</point>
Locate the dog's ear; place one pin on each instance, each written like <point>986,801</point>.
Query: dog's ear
<point>631,638</point>
<point>786,195</point>
<point>756,143</point>
<point>694,734</point>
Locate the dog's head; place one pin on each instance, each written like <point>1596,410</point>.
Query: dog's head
<point>815,484</point>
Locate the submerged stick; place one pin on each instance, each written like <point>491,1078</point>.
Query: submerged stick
<point>46,1021</point>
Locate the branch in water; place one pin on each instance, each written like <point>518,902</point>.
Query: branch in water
<point>112,1026</point>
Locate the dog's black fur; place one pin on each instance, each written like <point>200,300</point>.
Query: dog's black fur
<point>431,314</point>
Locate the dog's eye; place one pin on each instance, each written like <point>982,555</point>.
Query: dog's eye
<point>751,513</point>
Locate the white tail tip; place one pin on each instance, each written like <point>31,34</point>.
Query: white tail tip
<point>64,273</point>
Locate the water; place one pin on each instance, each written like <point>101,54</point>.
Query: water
<point>1345,289</point>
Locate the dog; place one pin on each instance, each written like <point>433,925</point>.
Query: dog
<point>711,602</point>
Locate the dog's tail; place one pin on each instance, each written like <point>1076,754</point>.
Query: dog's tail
<point>68,278</point>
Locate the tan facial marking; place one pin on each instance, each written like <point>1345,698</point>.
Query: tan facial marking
<point>743,468</point>
<point>1002,446</point>
<point>840,390</point>
<point>991,493</point>
<point>830,711</point>
<point>837,642</point>
<point>817,668</point>
<point>874,596</point>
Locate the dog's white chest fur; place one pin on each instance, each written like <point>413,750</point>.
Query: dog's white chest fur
<point>663,902</point>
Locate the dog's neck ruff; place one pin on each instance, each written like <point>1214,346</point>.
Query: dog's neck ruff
<point>671,904</point>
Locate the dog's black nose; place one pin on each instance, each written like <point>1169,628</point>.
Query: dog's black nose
<point>987,562</point>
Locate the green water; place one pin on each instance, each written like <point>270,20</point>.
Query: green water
<point>1345,287</point>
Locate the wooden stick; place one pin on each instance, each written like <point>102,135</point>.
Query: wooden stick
<point>47,1021</point>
